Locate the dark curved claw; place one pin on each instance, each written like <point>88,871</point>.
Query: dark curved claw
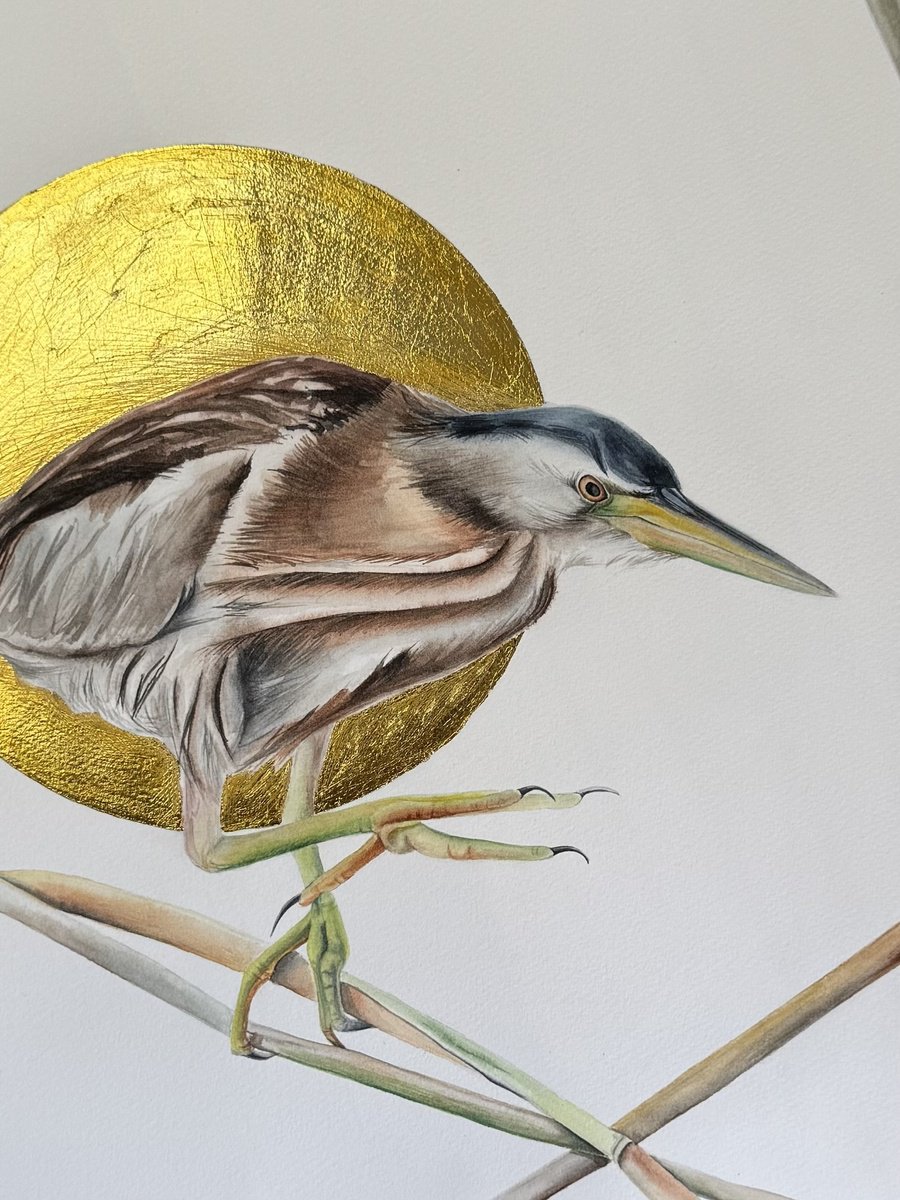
<point>572,849</point>
<point>534,787</point>
<point>582,792</point>
<point>287,904</point>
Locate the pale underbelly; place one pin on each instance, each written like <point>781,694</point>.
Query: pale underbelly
<point>240,696</point>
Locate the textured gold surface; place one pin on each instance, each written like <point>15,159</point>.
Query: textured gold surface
<point>131,278</point>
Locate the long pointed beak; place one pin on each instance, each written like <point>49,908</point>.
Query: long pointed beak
<point>669,522</point>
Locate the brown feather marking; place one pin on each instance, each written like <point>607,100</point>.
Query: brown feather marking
<point>213,415</point>
<point>349,496</point>
<point>402,672</point>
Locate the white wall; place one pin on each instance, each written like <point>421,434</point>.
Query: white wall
<point>692,212</point>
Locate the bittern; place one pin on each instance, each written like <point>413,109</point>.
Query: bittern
<point>235,568</point>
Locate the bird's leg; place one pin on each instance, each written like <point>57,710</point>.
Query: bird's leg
<point>258,973</point>
<point>214,850</point>
<point>321,930</point>
<point>396,825</point>
<point>328,947</point>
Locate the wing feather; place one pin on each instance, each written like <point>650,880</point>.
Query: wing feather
<point>102,546</point>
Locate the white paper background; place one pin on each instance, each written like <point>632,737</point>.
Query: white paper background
<point>692,212</point>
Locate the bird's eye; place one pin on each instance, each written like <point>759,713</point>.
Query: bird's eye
<point>591,489</point>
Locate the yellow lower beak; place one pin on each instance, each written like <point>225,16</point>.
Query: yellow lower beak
<point>670,523</point>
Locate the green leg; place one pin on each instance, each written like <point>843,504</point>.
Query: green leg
<point>328,947</point>
<point>259,971</point>
<point>214,850</point>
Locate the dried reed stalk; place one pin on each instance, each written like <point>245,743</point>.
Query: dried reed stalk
<point>48,902</point>
<point>887,17</point>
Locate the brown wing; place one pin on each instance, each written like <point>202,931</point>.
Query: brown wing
<point>246,407</point>
<point>100,547</point>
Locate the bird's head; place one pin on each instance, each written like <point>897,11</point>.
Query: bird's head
<point>595,488</point>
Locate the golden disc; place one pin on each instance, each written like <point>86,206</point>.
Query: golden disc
<point>134,277</point>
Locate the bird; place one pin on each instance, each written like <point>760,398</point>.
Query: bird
<point>234,568</point>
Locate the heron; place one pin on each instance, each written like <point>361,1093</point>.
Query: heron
<point>236,567</point>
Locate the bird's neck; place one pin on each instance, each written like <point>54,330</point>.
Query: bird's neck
<point>474,466</point>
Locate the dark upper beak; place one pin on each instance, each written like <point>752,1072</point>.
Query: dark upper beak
<point>669,522</point>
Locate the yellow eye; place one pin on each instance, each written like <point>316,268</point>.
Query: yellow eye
<point>591,489</point>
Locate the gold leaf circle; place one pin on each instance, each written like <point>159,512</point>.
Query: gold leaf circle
<point>129,279</point>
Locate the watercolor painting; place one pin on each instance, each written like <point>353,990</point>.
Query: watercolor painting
<point>281,495</point>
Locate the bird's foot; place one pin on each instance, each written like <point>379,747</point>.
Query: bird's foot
<point>255,975</point>
<point>401,837</point>
<point>328,950</point>
<point>398,825</point>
